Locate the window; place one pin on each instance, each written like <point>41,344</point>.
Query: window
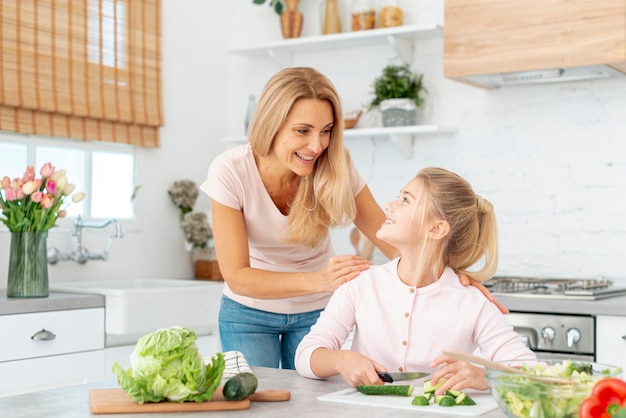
<point>88,165</point>
<point>87,70</point>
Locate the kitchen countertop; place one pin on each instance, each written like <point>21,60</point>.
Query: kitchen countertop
<point>54,302</point>
<point>61,301</point>
<point>73,402</point>
<point>609,306</point>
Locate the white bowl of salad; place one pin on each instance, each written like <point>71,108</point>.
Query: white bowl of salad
<point>528,396</point>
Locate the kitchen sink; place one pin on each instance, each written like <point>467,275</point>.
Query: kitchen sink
<point>135,307</point>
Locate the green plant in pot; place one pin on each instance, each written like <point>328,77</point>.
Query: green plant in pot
<point>398,93</point>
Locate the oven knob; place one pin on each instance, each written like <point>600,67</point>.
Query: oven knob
<point>548,334</point>
<point>573,336</point>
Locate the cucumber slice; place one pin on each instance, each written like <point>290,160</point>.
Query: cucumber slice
<point>447,400</point>
<point>420,401</point>
<point>400,390</point>
<point>453,393</point>
<point>464,399</point>
<point>429,387</point>
<point>438,398</point>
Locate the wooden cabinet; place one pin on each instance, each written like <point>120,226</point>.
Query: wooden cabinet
<point>498,36</point>
<point>51,349</point>
<point>611,340</point>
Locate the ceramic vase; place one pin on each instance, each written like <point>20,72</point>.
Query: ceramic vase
<point>28,265</point>
<point>291,20</point>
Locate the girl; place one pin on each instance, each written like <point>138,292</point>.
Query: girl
<point>406,311</point>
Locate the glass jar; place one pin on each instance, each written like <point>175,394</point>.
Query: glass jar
<point>363,15</point>
<point>391,14</point>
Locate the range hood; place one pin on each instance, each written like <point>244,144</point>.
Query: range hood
<point>554,75</point>
<point>498,43</point>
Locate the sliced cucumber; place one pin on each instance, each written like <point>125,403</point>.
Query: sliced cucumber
<point>464,399</point>
<point>453,393</point>
<point>429,387</point>
<point>447,400</point>
<point>400,390</point>
<point>420,401</point>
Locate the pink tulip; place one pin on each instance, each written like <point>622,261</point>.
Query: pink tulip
<point>51,186</point>
<point>6,182</point>
<point>62,214</point>
<point>47,170</point>
<point>9,193</point>
<point>47,201</point>
<point>37,196</point>
<point>19,194</point>
<point>29,174</point>
<point>29,187</point>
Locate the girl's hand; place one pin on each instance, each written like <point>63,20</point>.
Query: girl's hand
<point>339,270</point>
<point>466,281</point>
<point>356,369</point>
<point>459,375</point>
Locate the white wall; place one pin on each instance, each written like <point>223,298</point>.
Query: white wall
<point>551,158</point>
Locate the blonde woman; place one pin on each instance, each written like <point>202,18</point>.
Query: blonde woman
<point>406,311</point>
<point>273,202</point>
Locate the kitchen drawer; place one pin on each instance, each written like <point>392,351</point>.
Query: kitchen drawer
<point>44,373</point>
<point>72,331</point>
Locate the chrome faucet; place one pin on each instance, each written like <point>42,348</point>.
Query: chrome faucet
<point>80,254</point>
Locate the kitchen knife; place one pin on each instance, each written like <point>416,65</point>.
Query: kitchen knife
<point>392,377</point>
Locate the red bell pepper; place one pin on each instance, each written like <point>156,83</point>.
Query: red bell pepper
<point>607,397</point>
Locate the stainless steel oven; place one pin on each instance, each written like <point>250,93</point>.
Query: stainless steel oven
<point>553,335</point>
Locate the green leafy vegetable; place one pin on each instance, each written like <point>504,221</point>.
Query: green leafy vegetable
<point>526,397</point>
<point>166,365</point>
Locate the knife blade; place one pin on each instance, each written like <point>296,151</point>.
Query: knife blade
<point>392,377</point>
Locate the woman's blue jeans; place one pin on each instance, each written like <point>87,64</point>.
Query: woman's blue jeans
<point>266,339</point>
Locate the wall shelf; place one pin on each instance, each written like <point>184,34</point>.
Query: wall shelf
<point>403,136</point>
<point>401,38</point>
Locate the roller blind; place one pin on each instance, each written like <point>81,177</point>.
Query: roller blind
<point>84,69</point>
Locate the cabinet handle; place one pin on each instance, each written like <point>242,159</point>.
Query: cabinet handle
<point>43,335</point>
<point>624,337</point>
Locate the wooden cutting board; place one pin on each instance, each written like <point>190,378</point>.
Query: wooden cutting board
<point>116,401</point>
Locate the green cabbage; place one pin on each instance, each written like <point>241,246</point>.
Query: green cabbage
<point>166,365</point>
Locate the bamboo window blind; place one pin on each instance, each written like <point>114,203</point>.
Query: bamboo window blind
<point>84,69</point>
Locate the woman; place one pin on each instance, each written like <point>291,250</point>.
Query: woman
<point>406,311</point>
<point>273,202</point>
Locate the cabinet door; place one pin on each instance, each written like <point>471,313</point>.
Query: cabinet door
<point>51,333</point>
<point>611,340</point>
<point>486,37</point>
<point>32,375</point>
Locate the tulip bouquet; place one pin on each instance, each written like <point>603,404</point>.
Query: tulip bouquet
<point>32,204</point>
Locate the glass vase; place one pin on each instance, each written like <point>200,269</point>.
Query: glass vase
<point>28,265</point>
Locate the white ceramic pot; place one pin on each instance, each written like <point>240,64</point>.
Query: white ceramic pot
<point>398,112</point>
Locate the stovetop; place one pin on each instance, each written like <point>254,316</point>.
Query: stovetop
<point>580,289</point>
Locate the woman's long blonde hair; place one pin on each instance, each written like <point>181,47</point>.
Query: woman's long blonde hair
<point>473,232</point>
<point>324,198</point>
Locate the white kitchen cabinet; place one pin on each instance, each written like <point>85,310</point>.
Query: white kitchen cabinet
<point>401,38</point>
<point>51,349</point>
<point>611,340</point>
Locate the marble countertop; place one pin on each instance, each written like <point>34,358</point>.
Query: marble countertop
<point>54,302</point>
<point>61,301</point>
<point>73,402</point>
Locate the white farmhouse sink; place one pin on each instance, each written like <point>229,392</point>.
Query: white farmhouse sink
<point>135,307</point>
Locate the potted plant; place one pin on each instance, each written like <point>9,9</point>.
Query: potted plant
<point>398,94</point>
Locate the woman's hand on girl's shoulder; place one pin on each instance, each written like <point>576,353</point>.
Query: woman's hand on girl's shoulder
<point>468,281</point>
<point>339,270</point>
